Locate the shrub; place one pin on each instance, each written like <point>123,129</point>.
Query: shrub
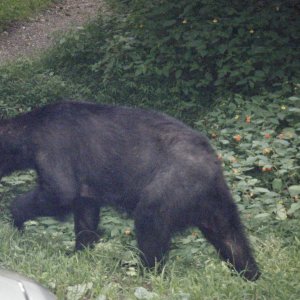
<point>179,55</point>
<point>258,143</point>
<point>26,84</point>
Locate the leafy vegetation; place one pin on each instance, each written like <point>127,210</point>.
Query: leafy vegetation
<point>229,70</point>
<point>15,10</point>
<point>258,143</point>
<point>187,54</point>
<point>25,85</point>
<point>176,57</point>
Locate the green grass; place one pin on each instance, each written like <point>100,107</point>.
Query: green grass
<point>112,269</point>
<point>41,255</point>
<point>15,10</point>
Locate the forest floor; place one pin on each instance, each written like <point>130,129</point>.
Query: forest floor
<point>27,38</point>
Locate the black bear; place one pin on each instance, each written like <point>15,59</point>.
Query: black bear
<point>89,155</point>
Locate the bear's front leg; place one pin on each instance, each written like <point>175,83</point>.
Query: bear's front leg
<point>86,219</point>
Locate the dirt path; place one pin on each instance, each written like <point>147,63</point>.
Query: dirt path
<point>28,38</point>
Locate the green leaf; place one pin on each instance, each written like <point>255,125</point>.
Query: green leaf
<point>294,207</point>
<point>131,272</point>
<point>294,98</point>
<point>169,23</point>
<point>259,73</point>
<point>114,232</point>
<point>224,142</point>
<point>294,109</point>
<point>143,294</point>
<point>78,291</point>
<point>62,41</point>
<point>294,190</point>
<point>260,190</point>
<point>48,221</point>
<point>289,133</point>
<point>281,213</point>
<point>262,215</point>
<point>277,184</point>
<point>250,160</point>
<point>194,250</point>
<point>178,74</point>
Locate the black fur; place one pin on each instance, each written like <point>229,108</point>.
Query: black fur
<point>88,155</point>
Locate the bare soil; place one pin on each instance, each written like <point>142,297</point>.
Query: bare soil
<point>26,39</point>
